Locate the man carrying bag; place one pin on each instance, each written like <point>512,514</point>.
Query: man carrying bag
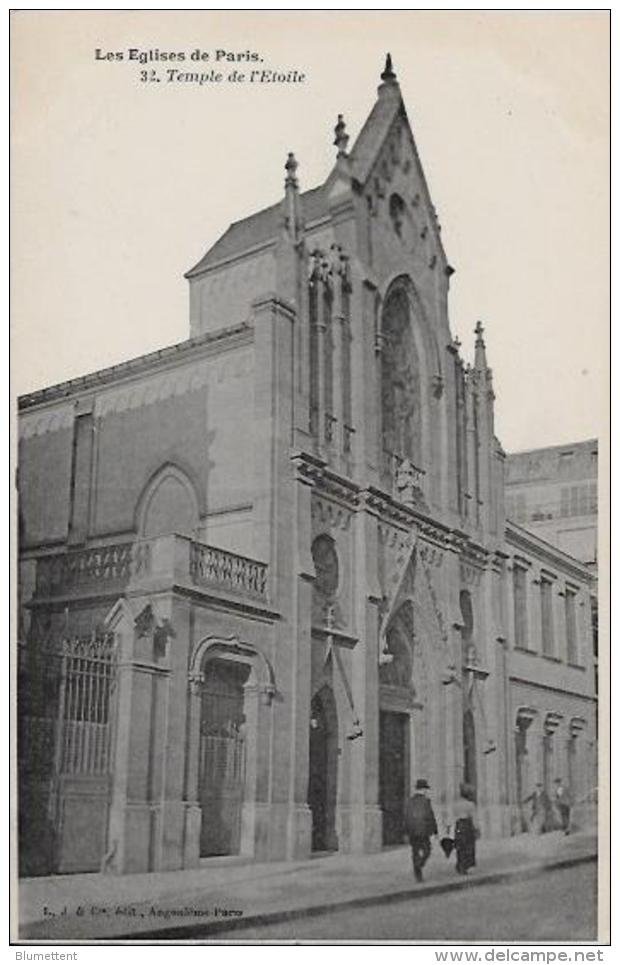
<point>420,825</point>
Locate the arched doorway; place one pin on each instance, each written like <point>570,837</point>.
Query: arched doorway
<point>323,776</point>
<point>221,769</point>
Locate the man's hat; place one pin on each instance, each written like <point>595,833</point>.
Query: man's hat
<point>422,785</point>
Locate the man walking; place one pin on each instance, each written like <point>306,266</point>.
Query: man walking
<point>540,809</point>
<point>563,803</point>
<point>420,824</point>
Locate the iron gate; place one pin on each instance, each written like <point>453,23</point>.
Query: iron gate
<point>222,756</point>
<point>66,692</point>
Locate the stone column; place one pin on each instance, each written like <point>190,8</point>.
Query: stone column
<point>337,374</point>
<point>170,749</point>
<point>255,811</point>
<point>533,609</point>
<point>492,694</point>
<point>365,382</point>
<point>471,495</point>
<point>136,806</point>
<point>321,338</point>
<point>297,834</point>
<point>366,815</point>
<point>559,620</point>
<point>193,814</point>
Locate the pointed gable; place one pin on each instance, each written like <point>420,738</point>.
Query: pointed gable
<point>373,135</point>
<point>385,144</point>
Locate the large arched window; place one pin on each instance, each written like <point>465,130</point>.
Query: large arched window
<point>400,382</point>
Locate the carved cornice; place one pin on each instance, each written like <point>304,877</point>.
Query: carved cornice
<point>525,541</point>
<point>333,513</point>
<point>391,511</point>
<point>470,552</point>
<point>316,473</point>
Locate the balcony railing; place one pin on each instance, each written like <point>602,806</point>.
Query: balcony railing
<point>210,566</point>
<point>96,567</point>
<point>109,569</point>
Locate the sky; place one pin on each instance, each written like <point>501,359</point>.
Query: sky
<point>120,185</point>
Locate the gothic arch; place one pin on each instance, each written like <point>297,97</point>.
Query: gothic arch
<point>410,370</point>
<point>398,672</point>
<point>168,504</point>
<point>231,648</point>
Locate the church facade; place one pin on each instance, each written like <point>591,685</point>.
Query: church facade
<point>266,576</point>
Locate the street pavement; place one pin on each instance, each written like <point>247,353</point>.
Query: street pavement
<point>555,906</point>
<point>226,896</point>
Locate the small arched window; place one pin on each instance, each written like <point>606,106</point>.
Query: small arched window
<point>397,213</point>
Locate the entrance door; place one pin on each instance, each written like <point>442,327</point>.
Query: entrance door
<point>222,756</point>
<point>323,776</point>
<point>393,773</point>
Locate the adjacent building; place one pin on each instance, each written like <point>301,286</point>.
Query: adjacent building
<point>553,492</point>
<point>266,575</point>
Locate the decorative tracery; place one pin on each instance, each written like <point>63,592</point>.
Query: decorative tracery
<point>400,382</point>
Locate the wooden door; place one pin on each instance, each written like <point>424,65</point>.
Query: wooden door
<point>393,773</point>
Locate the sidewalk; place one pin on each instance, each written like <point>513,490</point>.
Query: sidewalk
<point>226,894</point>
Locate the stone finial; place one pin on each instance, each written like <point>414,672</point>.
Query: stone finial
<point>291,167</point>
<point>480,355</point>
<point>388,72</point>
<point>342,138</point>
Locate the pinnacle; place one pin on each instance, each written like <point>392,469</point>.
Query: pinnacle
<point>342,138</point>
<point>388,72</point>
<point>291,167</point>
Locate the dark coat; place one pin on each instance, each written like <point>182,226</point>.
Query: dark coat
<point>419,817</point>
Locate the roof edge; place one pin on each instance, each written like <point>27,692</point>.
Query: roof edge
<point>102,377</point>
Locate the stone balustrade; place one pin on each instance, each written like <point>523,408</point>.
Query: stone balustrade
<point>112,568</point>
<point>210,566</point>
<point>97,566</point>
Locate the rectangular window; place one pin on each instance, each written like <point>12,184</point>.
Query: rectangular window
<point>593,498</point>
<point>520,606</point>
<point>570,609</point>
<point>546,614</point>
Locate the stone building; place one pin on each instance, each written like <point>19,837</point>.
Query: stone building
<point>266,575</point>
<point>553,492</point>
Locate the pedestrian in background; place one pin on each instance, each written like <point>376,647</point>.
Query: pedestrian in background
<point>540,808</point>
<point>465,829</point>
<point>420,826</point>
<point>562,801</point>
